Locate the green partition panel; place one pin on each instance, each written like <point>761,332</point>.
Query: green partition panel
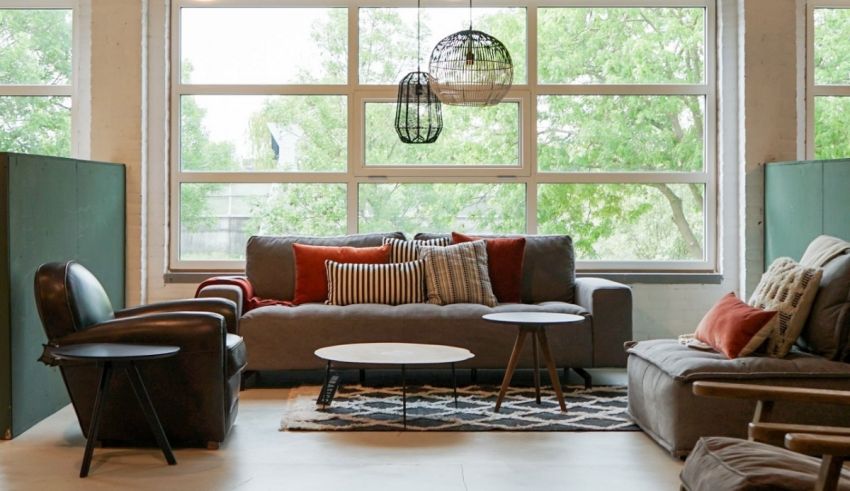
<point>53,209</point>
<point>802,200</point>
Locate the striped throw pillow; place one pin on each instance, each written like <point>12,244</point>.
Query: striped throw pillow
<point>408,250</point>
<point>458,274</point>
<point>390,284</point>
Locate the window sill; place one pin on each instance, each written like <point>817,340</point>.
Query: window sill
<point>195,277</point>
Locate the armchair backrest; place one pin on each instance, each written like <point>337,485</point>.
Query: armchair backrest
<point>69,299</point>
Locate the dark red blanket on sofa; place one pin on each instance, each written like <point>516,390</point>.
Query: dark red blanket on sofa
<point>249,299</point>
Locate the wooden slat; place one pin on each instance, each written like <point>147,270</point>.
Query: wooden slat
<point>818,444</point>
<point>771,393</point>
<point>774,433</point>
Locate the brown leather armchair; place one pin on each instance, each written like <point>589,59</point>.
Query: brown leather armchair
<point>195,393</point>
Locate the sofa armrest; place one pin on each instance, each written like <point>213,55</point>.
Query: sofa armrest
<point>610,305</point>
<point>221,306</point>
<point>230,292</point>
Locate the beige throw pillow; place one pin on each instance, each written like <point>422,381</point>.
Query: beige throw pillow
<point>457,274</point>
<point>790,289</point>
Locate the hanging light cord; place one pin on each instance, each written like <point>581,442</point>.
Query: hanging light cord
<point>418,37</point>
<point>470,15</point>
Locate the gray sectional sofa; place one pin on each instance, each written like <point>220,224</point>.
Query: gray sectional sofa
<point>661,374</point>
<point>284,338</point>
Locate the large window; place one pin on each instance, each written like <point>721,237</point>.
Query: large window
<point>35,77</point>
<point>828,79</point>
<point>282,122</point>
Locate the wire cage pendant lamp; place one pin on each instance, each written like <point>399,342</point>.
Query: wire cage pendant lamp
<point>471,68</point>
<point>418,113</point>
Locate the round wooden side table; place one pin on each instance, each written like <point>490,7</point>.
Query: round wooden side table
<point>108,357</point>
<point>533,323</point>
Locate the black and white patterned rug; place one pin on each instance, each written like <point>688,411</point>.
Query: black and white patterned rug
<point>358,408</point>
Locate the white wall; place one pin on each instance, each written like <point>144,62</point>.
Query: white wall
<point>758,120</point>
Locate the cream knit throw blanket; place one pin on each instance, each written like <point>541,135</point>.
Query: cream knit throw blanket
<point>822,250</point>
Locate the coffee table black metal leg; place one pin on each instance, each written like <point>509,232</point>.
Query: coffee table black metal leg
<point>94,425</point>
<point>150,413</point>
<point>403,397</point>
<point>454,383</point>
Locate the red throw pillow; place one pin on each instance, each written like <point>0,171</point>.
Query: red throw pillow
<point>311,279</point>
<point>504,264</point>
<point>735,328</point>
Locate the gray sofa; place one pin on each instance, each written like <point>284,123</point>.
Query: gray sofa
<point>661,374</point>
<point>284,338</point>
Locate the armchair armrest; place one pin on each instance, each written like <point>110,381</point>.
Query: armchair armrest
<point>193,332</point>
<point>610,305</point>
<point>230,292</point>
<point>771,393</point>
<point>811,444</point>
<point>221,306</point>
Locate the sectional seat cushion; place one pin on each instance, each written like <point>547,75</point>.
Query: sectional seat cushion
<point>504,263</point>
<point>548,267</point>
<point>283,338</point>
<point>827,331</point>
<point>270,264</point>
<point>661,399</point>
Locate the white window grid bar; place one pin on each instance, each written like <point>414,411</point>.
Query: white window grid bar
<point>526,94</point>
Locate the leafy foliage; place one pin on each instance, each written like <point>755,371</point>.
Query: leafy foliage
<point>39,125</point>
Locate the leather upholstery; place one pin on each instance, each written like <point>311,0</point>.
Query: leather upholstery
<point>196,393</point>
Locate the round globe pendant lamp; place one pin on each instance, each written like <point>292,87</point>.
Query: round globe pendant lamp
<point>418,114</point>
<point>471,68</point>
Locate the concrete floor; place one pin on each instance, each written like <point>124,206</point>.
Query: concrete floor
<point>258,457</point>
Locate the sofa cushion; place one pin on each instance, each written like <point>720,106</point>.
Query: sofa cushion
<point>311,279</point>
<point>408,250</point>
<point>735,464</point>
<point>504,263</point>
<point>548,266</point>
<point>790,289</point>
<point>733,327</point>
<point>237,355</point>
<point>457,274</point>
<point>283,338</point>
<point>687,364</point>
<point>827,330</point>
<point>390,284</point>
<point>270,266</point>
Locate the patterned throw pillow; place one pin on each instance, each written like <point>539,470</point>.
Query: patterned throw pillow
<point>390,284</point>
<point>790,289</point>
<point>403,251</point>
<point>458,274</point>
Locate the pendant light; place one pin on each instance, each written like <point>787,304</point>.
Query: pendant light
<point>471,68</point>
<point>418,114</point>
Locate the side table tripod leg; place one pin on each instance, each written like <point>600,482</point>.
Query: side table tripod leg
<point>534,341</point>
<point>454,383</point>
<point>150,413</point>
<point>509,372</point>
<point>94,425</point>
<point>553,370</point>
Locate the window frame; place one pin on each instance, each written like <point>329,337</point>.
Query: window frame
<point>64,90</point>
<point>526,94</point>
<point>813,91</point>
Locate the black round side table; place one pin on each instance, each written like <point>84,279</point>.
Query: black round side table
<point>111,356</point>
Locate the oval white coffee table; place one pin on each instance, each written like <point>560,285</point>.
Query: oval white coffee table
<point>534,323</point>
<point>401,354</point>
